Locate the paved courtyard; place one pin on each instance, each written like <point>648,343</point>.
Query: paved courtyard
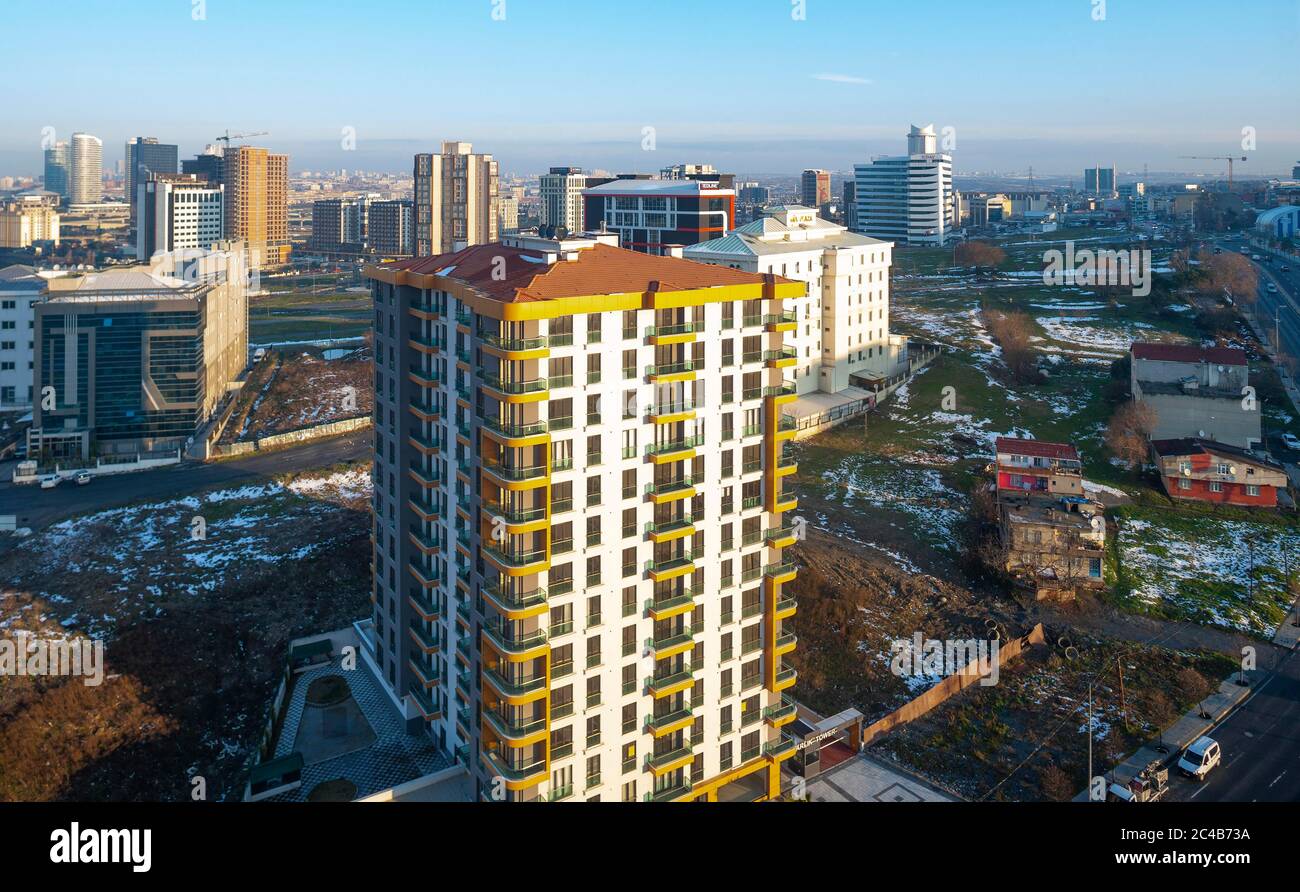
<point>865,779</point>
<point>393,757</point>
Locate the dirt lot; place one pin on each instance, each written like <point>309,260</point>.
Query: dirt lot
<point>295,388</point>
<point>1024,738</point>
<point>194,630</point>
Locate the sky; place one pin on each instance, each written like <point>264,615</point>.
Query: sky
<point>752,86</point>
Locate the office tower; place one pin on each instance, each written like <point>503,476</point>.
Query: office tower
<point>257,211</point>
<point>1099,180</point>
<point>29,218</point>
<point>86,174</point>
<point>842,319</point>
<point>145,156</point>
<point>851,204</point>
<point>651,215</point>
<point>138,357</point>
<point>579,584</point>
<point>208,166</point>
<point>20,288</point>
<point>907,199</point>
<point>392,228</point>
<point>816,189</point>
<point>560,191</point>
<point>177,212</point>
<point>754,194</point>
<point>507,215</point>
<point>455,199</point>
<point>57,170</point>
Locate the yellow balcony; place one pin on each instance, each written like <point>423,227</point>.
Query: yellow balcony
<point>674,605</point>
<point>667,685</point>
<point>663,725</point>
<point>516,777</point>
<point>678,333</point>
<point>670,530</point>
<point>669,761</point>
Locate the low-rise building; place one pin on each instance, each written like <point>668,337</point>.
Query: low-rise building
<point>1197,392</point>
<point>1206,471</point>
<point>1054,544</point>
<point>30,218</point>
<point>1037,469</point>
<point>135,360</point>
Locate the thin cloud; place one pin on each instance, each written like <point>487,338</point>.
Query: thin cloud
<point>842,79</point>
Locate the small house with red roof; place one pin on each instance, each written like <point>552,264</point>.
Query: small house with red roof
<point>1206,471</point>
<point>1039,468</point>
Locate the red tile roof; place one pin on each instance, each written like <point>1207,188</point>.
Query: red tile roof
<point>1188,446</point>
<point>1017,446</point>
<point>522,275</point>
<point>1188,353</point>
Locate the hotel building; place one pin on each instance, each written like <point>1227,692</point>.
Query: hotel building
<point>842,319</point>
<point>580,519</point>
<point>907,199</point>
<point>649,215</point>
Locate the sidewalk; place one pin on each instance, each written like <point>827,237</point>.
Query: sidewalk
<point>1191,726</point>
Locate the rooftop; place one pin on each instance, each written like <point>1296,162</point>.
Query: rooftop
<point>1188,353</point>
<point>516,275</point>
<point>782,230</point>
<point>1201,446</point>
<point>661,187</point>
<point>1042,448</point>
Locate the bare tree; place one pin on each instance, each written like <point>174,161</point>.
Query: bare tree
<point>1014,333</point>
<point>1129,432</point>
<point>978,255</point>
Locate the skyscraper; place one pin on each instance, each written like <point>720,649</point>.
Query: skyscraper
<point>455,199</point>
<point>257,203</point>
<point>1099,180</point>
<point>57,165</point>
<point>907,199</point>
<point>145,155</point>
<point>86,174</point>
<point>579,585</point>
<point>816,188</point>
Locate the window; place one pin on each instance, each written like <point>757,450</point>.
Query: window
<point>1184,483</point>
<point>1252,490</point>
<point>1216,486</point>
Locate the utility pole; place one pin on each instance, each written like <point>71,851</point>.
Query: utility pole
<point>1123,703</point>
<point>1089,735</point>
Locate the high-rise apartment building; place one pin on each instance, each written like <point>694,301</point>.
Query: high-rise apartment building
<point>907,199</point>
<point>507,215</point>
<point>145,156</point>
<point>580,519</point>
<point>392,228</point>
<point>257,203</point>
<point>455,199</point>
<point>651,215</point>
<point>86,173</point>
<point>176,212</point>
<point>841,328</point>
<point>816,188</point>
<point>560,192</point>
<point>29,218</point>
<point>57,170</point>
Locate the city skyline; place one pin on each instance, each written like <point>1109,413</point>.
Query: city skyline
<point>1081,89</point>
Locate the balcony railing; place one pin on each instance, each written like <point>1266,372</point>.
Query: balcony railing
<point>537,385</point>
<point>514,642</point>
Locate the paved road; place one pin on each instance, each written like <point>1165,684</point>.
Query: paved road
<point>1261,745</point>
<point>38,508</point>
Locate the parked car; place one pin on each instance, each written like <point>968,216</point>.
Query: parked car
<point>1200,758</point>
<point>1291,441</point>
<point>83,477</point>
<point>1272,289</point>
<point>49,481</point>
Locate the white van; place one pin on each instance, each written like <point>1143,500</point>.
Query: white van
<point>1199,758</point>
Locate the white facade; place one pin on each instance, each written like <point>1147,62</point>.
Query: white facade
<point>20,288</point>
<point>175,215</point>
<point>561,197</point>
<point>843,319</point>
<point>909,198</point>
<point>86,177</point>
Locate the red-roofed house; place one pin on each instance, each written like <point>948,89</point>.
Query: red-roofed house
<point>1038,468</point>
<point>1206,471</point>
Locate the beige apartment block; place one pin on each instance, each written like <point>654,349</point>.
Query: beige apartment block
<point>456,200</point>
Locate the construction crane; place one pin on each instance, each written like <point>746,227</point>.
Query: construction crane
<point>1229,158</point>
<point>229,136</point>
